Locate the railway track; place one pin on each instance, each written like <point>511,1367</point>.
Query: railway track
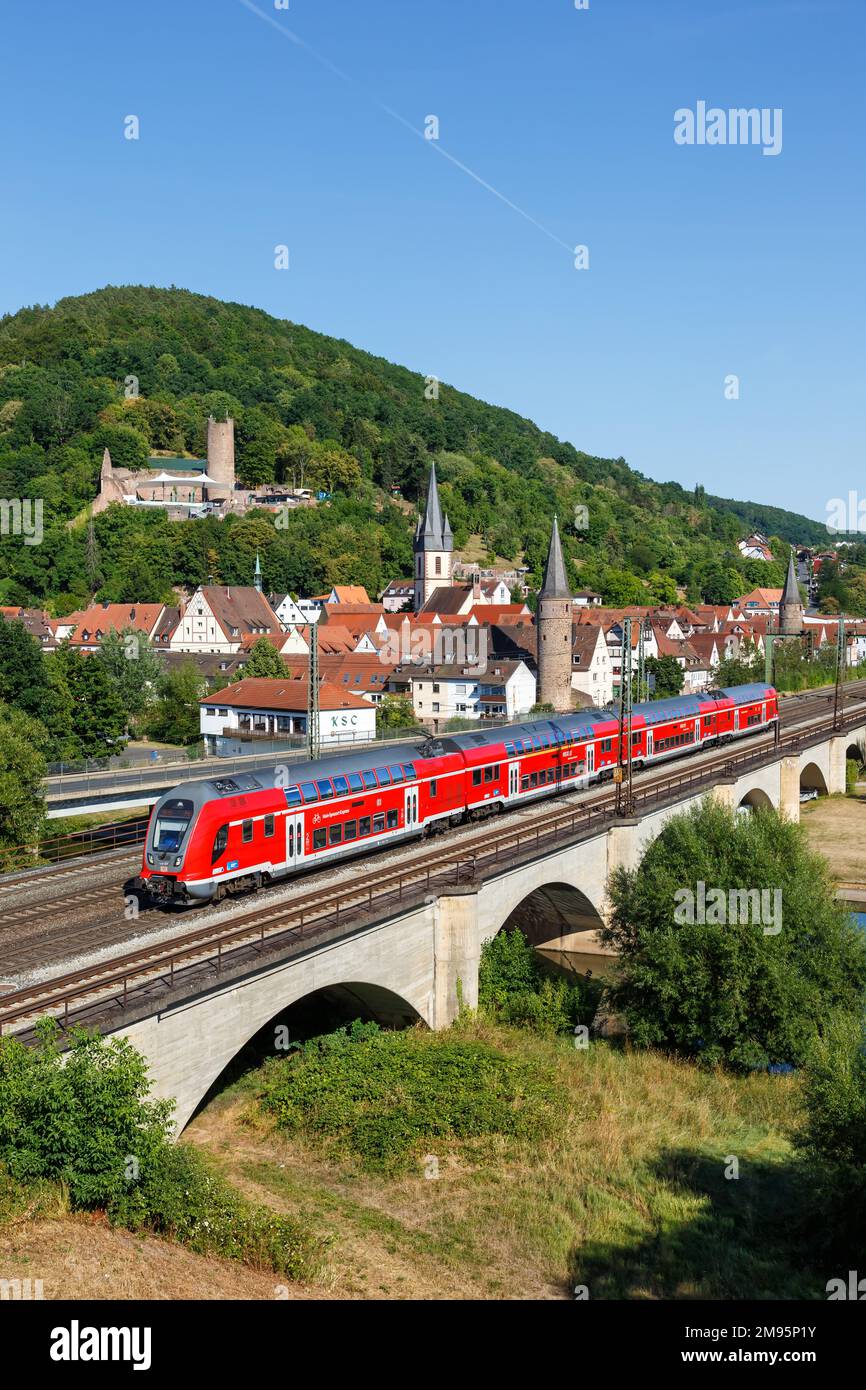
<point>272,928</point>
<point>804,706</point>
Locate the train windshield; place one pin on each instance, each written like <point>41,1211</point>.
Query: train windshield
<point>171,826</point>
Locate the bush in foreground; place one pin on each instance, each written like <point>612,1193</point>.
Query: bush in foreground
<point>81,1120</point>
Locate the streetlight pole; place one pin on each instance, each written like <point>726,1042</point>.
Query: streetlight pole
<point>624,784</point>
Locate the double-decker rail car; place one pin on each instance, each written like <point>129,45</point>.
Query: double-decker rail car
<point>228,835</point>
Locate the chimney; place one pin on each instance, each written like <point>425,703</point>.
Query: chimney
<point>106,603</point>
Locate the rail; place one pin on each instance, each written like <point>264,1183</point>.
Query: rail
<point>206,948</point>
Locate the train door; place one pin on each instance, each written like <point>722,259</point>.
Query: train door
<point>410,808</point>
<point>590,759</point>
<point>649,743</point>
<point>697,731</point>
<point>294,840</point>
<point>513,780</point>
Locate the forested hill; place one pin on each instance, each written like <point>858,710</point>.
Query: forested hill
<point>362,429</point>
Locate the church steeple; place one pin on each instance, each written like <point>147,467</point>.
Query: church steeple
<point>257,575</point>
<point>555,584</point>
<point>791,605</point>
<point>553,630</point>
<point>434,544</point>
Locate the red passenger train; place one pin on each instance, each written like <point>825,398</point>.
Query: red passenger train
<point>231,834</point>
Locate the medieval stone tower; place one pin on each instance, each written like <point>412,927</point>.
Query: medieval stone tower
<point>791,606</point>
<point>221,455</point>
<point>553,630</point>
<point>433,547</point>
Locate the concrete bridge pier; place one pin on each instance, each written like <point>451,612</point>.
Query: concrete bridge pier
<point>456,954</point>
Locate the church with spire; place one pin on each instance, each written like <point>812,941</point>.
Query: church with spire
<point>553,629</point>
<point>433,547</point>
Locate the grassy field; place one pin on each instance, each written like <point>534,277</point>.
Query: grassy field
<point>835,826</point>
<point>626,1195</point>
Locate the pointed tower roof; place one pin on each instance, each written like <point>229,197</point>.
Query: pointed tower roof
<point>434,532</point>
<point>791,591</point>
<point>257,574</point>
<point>555,582</point>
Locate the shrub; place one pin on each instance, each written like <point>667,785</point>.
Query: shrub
<point>384,1097</point>
<point>834,1134</point>
<point>732,993</point>
<point>82,1122</point>
<point>178,1196</point>
<point>513,984</point>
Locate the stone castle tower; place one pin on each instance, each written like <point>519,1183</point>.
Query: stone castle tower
<point>791,605</point>
<point>553,630</point>
<point>221,456</point>
<point>433,547</point>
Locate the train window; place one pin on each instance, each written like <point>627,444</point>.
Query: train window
<point>355,782</point>
<point>378,824</point>
<point>635,738</point>
<point>351,830</point>
<point>524,784</point>
<point>396,773</point>
<point>248,831</point>
<point>384,776</point>
<point>432,787</point>
<point>324,788</point>
<point>320,839</point>
<point>269,826</point>
<point>172,823</point>
<point>336,834</point>
<point>309,790</point>
<point>221,839</point>
<point>293,796</point>
<point>490,774</point>
<point>509,748</point>
<point>341,786</point>
<point>476,777</point>
<point>370,780</point>
<point>533,779</point>
<point>393,819</point>
<point>364,825</point>
<point>409,770</point>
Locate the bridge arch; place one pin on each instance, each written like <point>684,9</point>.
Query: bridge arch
<point>554,916</point>
<point>322,1010</point>
<point>755,800</point>
<point>813,779</point>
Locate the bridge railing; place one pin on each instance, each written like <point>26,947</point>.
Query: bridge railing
<point>206,948</point>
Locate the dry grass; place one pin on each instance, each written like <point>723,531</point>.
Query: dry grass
<point>836,827</point>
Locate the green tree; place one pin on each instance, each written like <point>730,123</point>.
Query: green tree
<point>668,675</point>
<point>23,679</point>
<point>133,666</point>
<point>176,716</point>
<point>98,714</point>
<point>395,712</point>
<point>264,661</point>
<point>746,994</point>
<point>23,742</point>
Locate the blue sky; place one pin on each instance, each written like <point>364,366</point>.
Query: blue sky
<point>261,126</point>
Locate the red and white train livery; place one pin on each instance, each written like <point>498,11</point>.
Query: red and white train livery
<point>232,834</point>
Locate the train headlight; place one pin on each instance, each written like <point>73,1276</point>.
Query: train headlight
<point>177,862</point>
<point>150,859</point>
